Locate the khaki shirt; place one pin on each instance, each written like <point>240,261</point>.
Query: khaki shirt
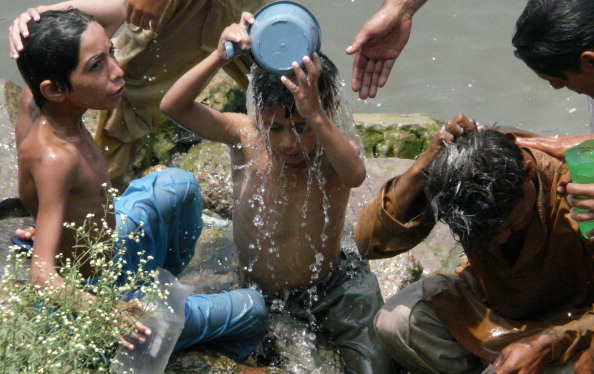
<point>549,287</point>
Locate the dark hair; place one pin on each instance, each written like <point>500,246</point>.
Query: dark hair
<point>552,34</point>
<point>51,50</point>
<point>268,89</point>
<point>474,184</point>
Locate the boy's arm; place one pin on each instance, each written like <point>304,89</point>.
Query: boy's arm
<point>109,13</point>
<point>53,178</point>
<point>179,102</point>
<point>343,153</point>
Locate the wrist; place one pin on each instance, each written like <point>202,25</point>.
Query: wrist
<point>409,7</point>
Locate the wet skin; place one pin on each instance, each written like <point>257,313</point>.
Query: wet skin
<point>279,222</point>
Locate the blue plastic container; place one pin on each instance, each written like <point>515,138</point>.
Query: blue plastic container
<point>283,32</point>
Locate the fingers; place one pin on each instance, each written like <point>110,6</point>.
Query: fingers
<point>145,21</point>
<point>581,190</point>
<point>360,39</point>
<point>246,19</point>
<point>548,145</point>
<point>459,125</point>
<point>562,185</point>
<point>385,73</point>
<point>369,75</point>
<point>18,29</point>
<point>124,343</point>
<point>359,64</point>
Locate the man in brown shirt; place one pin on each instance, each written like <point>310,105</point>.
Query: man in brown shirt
<point>523,300</point>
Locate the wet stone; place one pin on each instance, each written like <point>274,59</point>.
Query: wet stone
<point>10,204</point>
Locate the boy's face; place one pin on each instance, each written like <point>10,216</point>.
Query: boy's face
<point>98,81</point>
<point>291,139</point>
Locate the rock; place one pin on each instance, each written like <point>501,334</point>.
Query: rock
<point>211,165</point>
<point>223,94</point>
<point>394,135</point>
<point>10,204</point>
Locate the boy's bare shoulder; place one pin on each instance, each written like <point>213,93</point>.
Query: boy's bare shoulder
<point>48,155</point>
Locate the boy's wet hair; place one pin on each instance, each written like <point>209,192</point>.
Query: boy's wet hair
<point>474,184</point>
<point>552,34</point>
<point>268,90</point>
<point>51,51</point>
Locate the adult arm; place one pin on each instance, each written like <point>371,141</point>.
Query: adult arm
<point>390,223</point>
<point>553,145</point>
<point>109,13</point>
<point>379,43</point>
<point>179,102</point>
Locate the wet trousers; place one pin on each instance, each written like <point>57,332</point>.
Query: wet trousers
<point>169,205</point>
<point>342,307</point>
<point>414,336</point>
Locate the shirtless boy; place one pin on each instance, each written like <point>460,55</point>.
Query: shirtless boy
<point>68,64</point>
<point>292,174</point>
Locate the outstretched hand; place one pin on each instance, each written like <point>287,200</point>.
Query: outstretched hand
<point>376,47</point>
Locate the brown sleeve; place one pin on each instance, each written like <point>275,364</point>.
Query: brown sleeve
<point>383,230</point>
<point>571,338</point>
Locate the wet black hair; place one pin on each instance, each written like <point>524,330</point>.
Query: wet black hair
<point>474,184</point>
<point>51,51</point>
<point>268,89</point>
<point>552,34</point>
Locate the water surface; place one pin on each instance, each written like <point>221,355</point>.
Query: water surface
<point>459,60</point>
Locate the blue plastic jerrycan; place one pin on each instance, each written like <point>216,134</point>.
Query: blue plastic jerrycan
<point>283,32</point>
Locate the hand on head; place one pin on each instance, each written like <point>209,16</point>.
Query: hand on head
<point>454,128</point>
<point>18,29</point>
<point>304,87</point>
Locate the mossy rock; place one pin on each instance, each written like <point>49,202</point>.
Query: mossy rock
<point>170,140</point>
<point>12,92</point>
<point>223,94</point>
<point>390,135</point>
<point>211,165</point>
